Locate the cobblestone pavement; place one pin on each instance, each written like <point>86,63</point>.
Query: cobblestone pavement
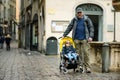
<point>20,64</point>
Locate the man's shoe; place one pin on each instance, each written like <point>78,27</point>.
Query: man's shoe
<point>88,70</point>
<point>65,70</point>
<point>81,70</point>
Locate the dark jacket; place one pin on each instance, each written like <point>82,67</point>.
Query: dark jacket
<point>66,50</point>
<point>89,28</point>
<point>2,39</point>
<point>7,40</point>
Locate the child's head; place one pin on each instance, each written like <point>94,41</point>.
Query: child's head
<point>67,43</point>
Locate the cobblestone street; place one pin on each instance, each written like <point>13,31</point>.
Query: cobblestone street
<point>18,64</point>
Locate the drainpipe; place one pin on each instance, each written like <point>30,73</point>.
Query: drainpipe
<point>114,40</point>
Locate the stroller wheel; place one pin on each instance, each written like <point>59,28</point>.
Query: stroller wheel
<point>65,70</point>
<point>74,70</point>
<point>60,67</point>
<point>81,70</point>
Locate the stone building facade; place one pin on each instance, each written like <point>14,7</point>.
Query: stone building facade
<point>44,21</point>
<point>7,16</point>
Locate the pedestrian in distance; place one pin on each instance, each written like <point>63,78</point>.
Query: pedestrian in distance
<point>82,34</point>
<point>8,40</point>
<point>1,41</point>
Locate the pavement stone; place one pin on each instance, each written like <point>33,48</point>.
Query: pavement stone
<point>21,64</point>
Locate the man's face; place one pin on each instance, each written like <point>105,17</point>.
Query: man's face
<point>80,14</point>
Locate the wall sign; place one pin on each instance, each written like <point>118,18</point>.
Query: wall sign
<point>59,26</point>
<point>110,28</point>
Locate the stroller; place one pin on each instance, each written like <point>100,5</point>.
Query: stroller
<point>65,63</point>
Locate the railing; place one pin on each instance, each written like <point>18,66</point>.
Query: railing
<point>114,54</point>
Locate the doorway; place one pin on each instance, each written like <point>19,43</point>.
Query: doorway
<point>95,13</point>
<point>95,21</point>
<point>34,33</point>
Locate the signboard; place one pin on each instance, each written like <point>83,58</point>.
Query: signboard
<point>110,28</point>
<point>59,26</point>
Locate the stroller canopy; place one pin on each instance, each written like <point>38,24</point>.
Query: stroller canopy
<point>63,40</point>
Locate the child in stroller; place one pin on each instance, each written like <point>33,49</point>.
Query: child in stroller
<point>69,57</point>
<point>69,51</point>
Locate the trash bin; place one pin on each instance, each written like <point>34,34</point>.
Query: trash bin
<point>51,46</point>
<point>105,57</point>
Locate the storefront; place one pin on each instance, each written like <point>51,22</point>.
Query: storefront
<point>28,29</point>
<point>34,33</point>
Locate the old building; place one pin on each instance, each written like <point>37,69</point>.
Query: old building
<point>29,21</point>
<point>44,21</point>
<point>7,16</point>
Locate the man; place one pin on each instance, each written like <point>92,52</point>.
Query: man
<point>8,40</point>
<point>83,32</point>
<point>1,41</point>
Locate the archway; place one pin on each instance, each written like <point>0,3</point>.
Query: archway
<point>34,33</point>
<point>27,30</point>
<point>52,45</point>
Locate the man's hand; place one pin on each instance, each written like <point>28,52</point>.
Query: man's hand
<point>63,36</point>
<point>89,39</point>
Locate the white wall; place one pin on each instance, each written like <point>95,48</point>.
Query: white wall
<point>118,26</point>
<point>64,10</point>
<point>55,10</point>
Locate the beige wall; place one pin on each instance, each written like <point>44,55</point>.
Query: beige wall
<point>17,10</point>
<point>59,10</point>
<point>34,8</point>
<point>118,26</point>
<point>17,16</point>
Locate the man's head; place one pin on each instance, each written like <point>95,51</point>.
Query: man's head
<point>79,12</point>
<point>8,35</point>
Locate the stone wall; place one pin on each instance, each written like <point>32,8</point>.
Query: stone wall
<point>114,54</point>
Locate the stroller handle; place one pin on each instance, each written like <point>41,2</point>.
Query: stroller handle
<point>59,37</point>
<point>64,37</point>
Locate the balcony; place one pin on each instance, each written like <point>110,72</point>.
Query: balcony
<point>116,5</point>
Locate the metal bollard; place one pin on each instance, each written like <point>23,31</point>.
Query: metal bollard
<point>105,58</point>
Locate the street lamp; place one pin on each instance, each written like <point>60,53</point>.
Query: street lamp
<point>114,39</point>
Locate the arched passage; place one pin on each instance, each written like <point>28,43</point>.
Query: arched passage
<point>34,33</point>
<point>27,30</point>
